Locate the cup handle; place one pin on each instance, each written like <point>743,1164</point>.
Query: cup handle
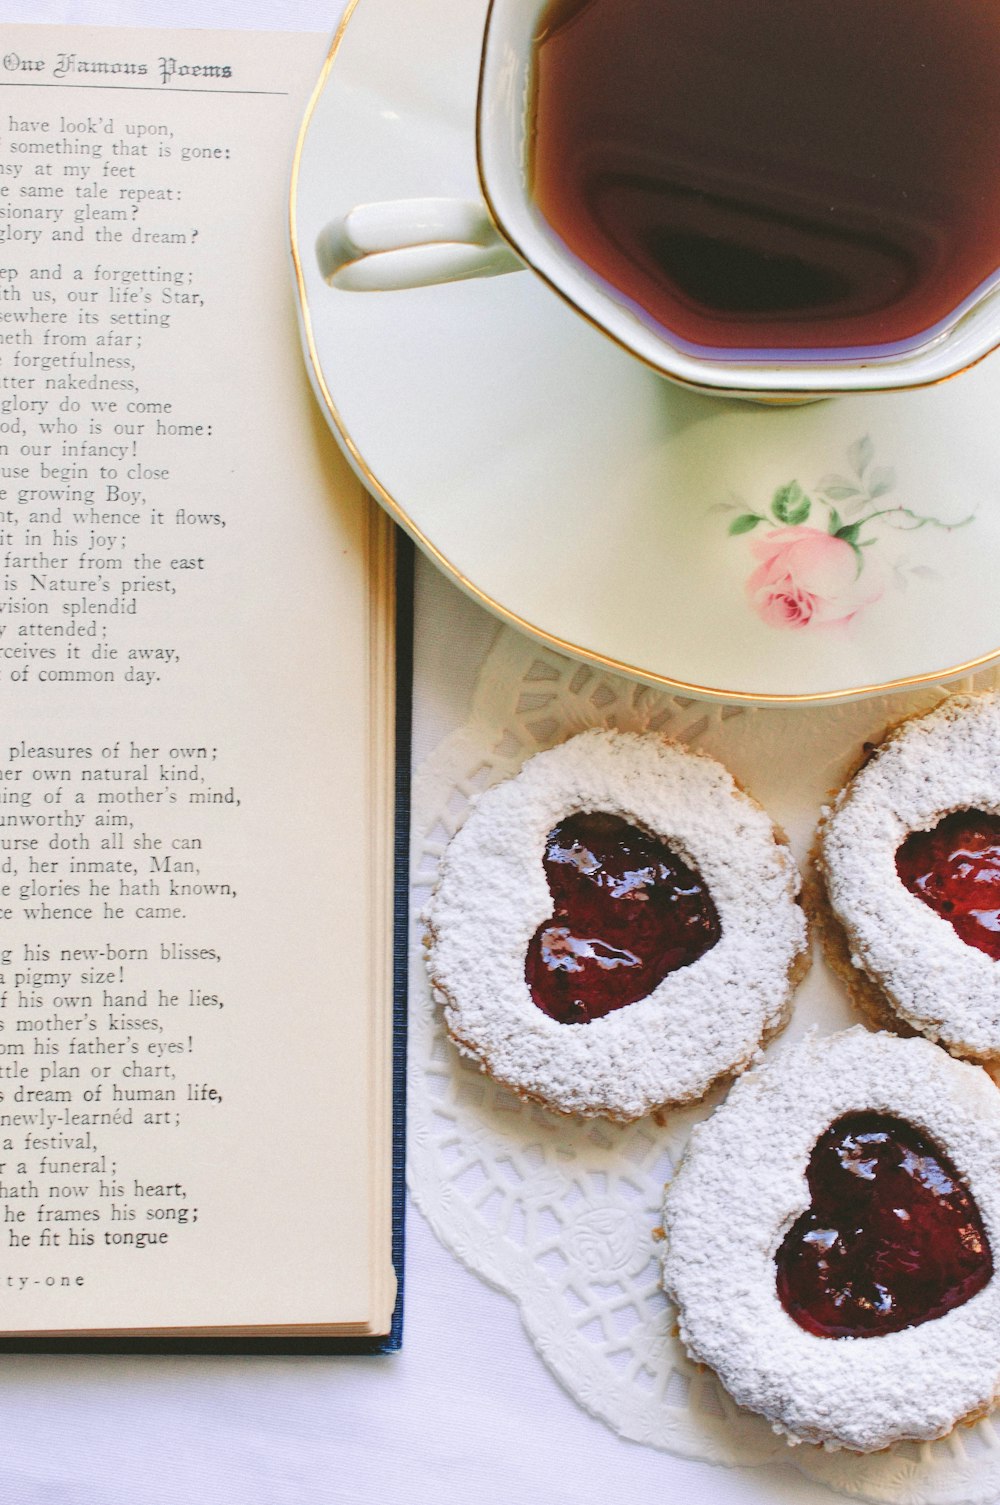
<point>412,243</point>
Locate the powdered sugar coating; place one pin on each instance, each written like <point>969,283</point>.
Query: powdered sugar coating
<point>948,760</point>
<point>701,1022</point>
<point>741,1186</point>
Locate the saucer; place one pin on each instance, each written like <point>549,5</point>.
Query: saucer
<point>721,548</point>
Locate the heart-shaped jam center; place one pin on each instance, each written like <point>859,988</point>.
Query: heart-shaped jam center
<point>892,1238</point>
<point>626,910</point>
<point>955,869</point>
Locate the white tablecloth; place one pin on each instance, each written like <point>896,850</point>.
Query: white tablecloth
<point>467,1412</point>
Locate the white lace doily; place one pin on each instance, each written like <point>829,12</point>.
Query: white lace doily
<point>560,1214</point>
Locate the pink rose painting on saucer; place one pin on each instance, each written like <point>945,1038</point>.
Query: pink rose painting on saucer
<point>813,562</point>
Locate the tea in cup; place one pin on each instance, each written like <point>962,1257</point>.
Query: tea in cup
<point>776,198</point>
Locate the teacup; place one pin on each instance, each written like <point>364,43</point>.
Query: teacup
<point>414,243</point>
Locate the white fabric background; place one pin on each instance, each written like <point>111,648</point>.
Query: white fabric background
<point>467,1412</point>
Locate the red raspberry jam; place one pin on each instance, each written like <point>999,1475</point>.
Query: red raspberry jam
<point>955,870</point>
<point>892,1239</point>
<point>626,910</point>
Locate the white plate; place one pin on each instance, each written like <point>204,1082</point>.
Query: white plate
<point>592,503</point>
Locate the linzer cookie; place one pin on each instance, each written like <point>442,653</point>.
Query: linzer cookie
<point>616,928</point>
<point>829,1241</point>
<point>910,856</point>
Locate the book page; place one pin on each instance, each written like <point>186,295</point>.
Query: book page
<point>185,785</point>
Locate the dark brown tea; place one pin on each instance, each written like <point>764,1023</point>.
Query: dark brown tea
<point>775,176</point>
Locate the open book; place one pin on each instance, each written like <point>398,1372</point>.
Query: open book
<point>197,757</point>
